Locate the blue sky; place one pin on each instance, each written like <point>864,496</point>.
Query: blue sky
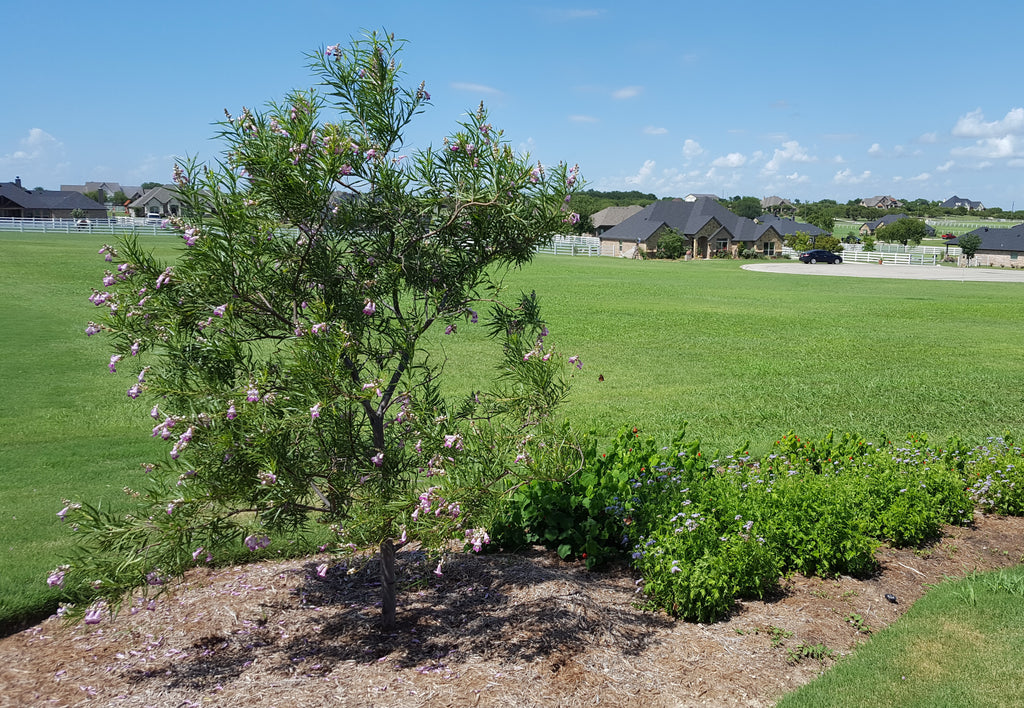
<point>806,100</point>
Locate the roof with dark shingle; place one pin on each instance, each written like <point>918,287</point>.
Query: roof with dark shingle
<point>890,218</point>
<point>685,217</point>
<point>47,198</point>
<point>1011,239</point>
<point>788,227</point>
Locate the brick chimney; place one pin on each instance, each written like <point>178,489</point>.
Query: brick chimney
<point>17,181</point>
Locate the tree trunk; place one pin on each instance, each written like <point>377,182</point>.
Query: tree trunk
<point>387,583</point>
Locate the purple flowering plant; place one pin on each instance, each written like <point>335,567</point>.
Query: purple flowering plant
<point>289,332</point>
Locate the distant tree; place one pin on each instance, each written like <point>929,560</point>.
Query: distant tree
<point>904,231</point>
<point>94,195</point>
<point>969,245</point>
<point>146,186</point>
<point>869,242</point>
<point>823,217</point>
<point>77,214</point>
<point>119,197</point>
<point>749,207</point>
<point>804,242</point>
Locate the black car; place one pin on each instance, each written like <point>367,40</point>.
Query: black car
<point>820,256</point>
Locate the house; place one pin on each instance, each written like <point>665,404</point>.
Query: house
<point>707,226</point>
<point>999,247</point>
<point>872,226</point>
<point>158,202</point>
<point>885,202</point>
<point>695,197</point>
<point>105,190</point>
<point>777,206</point>
<point>21,203</point>
<point>955,202</point>
<point>612,216</point>
<point>782,228</point>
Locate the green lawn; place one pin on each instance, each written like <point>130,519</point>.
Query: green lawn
<point>960,646</point>
<point>740,355</point>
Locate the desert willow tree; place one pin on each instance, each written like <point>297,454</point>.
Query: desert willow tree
<point>284,350</point>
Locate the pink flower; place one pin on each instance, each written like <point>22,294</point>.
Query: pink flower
<point>219,311</point>
<point>437,570</point>
<point>369,308</point>
<point>450,329</point>
<point>252,394</point>
<point>318,328</point>
<point>314,412</point>
<point>377,459</point>
<point>232,413</point>
<point>321,570</point>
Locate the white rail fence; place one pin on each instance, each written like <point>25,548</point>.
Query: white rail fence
<point>572,246</point>
<point>118,225</point>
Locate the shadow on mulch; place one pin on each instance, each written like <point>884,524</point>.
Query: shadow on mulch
<point>482,606</point>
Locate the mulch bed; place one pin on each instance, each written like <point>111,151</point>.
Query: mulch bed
<point>493,630</point>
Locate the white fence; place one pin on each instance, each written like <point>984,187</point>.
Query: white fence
<point>118,225</point>
<point>572,246</point>
<point>892,258</point>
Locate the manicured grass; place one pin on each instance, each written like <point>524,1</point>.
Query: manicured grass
<point>960,645</point>
<point>746,355</point>
<point>740,355</point>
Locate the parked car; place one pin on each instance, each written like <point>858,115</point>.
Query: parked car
<point>822,256</point>
<point>948,236</point>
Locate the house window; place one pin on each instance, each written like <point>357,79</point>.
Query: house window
<point>768,247</point>
<point>722,244</point>
<point>1013,255</point>
<point>620,246</point>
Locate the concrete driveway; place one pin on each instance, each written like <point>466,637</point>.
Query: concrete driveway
<point>873,270</point>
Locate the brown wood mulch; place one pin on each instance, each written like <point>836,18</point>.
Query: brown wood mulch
<point>493,630</point>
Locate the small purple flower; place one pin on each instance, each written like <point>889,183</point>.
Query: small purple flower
<point>314,412</point>
<point>377,459</point>
<point>318,328</point>
<point>255,543</point>
<point>91,329</point>
<point>450,329</point>
<point>154,578</point>
<point>576,360</point>
<point>267,478</point>
<point>369,308</point>
<point>321,570</point>
<point>219,311</point>
<point>113,361</point>
<point>196,553</point>
<point>94,614</point>
<point>252,394</point>
<point>135,347</point>
<point>154,412</point>
<point>232,413</point>
<point>473,316</point>
<point>56,578</point>
<point>134,391</point>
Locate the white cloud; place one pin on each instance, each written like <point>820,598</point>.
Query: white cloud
<point>973,125</point>
<point>847,177</point>
<point>643,175</point>
<point>583,119</point>
<point>691,149</point>
<point>651,130</point>
<point>923,177</point>
<point>875,149</point>
<point>627,92</point>
<point>993,148</point>
<point>798,178</point>
<point>945,167</point>
<point>39,153</point>
<point>838,159</point>
<point>475,88</point>
<point>929,138</point>
<point>733,159</point>
<point>791,151</point>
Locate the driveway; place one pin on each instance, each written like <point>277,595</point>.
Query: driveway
<point>873,270</point>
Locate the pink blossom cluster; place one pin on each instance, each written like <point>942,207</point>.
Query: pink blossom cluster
<point>431,501</point>
<point>477,538</point>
